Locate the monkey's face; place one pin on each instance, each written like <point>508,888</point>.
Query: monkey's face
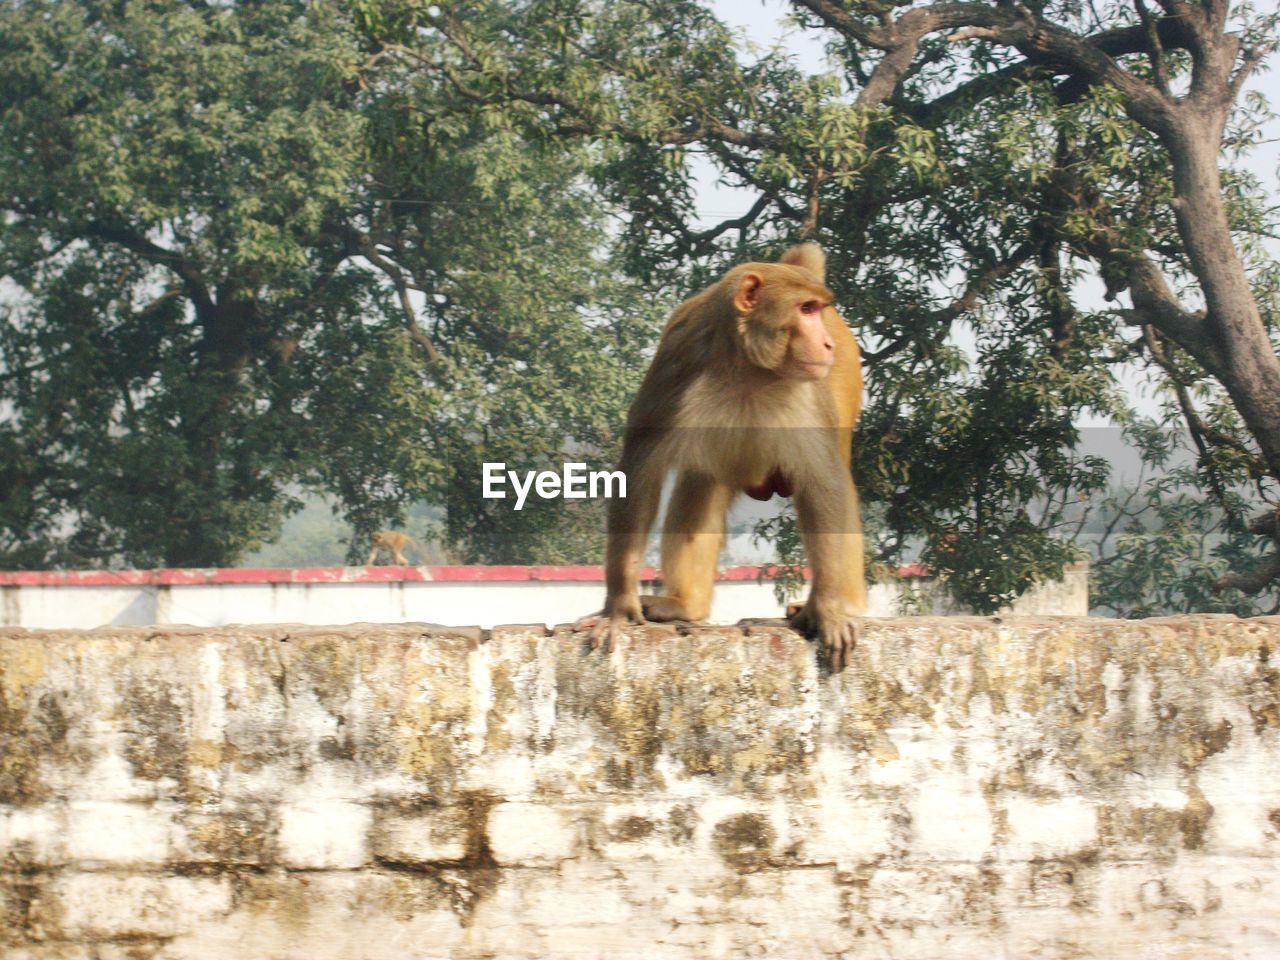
<point>780,323</point>
<point>810,349</point>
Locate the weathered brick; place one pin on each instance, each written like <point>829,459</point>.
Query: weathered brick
<point>950,820</point>
<point>119,833</point>
<point>34,836</point>
<point>345,915</point>
<point>531,834</point>
<point>1050,828</point>
<point>67,951</point>
<point>100,906</point>
<point>421,838</point>
<point>844,830</point>
<point>324,834</point>
<point>657,830</point>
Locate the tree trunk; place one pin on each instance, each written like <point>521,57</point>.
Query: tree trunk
<point>1239,354</point>
<point>222,355</point>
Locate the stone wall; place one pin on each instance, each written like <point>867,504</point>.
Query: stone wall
<point>1026,788</point>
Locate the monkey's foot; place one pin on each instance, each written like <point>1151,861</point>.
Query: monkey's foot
<point>663,609</point>
<point>836,630</point>
<point>611,622</point>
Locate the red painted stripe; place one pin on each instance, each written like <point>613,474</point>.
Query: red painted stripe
<point>248,575</point>
<point>478,573</point>
<point>549,573</point>
<point>362,574</point>
<point>747,573</point>
<point>182,578</point>
<point>584,571</point>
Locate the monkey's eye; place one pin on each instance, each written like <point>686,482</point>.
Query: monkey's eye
<point>810,307</point>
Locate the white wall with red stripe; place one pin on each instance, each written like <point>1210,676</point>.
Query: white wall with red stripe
<point>451,595</point>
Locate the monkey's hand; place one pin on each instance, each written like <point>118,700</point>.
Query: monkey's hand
<point>609,623</point>
<point>832,626</point>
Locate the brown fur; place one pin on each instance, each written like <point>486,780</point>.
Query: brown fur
<point>391,542</point>
<point>737,392</point>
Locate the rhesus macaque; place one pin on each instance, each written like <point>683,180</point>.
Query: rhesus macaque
<point>391,542</point>
<point>755,387</point>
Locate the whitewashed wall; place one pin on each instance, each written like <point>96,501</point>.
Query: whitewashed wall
<point>492,595</point>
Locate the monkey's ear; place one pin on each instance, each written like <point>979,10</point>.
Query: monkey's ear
<point>808,256</point>
<point>747,297</point>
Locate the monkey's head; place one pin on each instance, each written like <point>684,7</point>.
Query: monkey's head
<point>779,309</point>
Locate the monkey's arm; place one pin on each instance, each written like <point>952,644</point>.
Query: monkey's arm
<point>629,521</point>
<point>827,509</point>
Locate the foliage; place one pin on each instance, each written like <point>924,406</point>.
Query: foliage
<point>974,195</point>
<point>1159,544</point>
<point>219,229</point>
<point>314,536</point>
<point>788,574</point>
<point>366,247</point>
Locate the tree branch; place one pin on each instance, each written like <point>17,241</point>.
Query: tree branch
<point>980,284</point>
<point>1155,49</point>
<point>1154,304</point>
<point>1267,524</point>
<point>811,205</point>
<point>1251,60</point>
<point>363,244</point>
<point>740,223</point>
<point>1268,571</point>
<point>973,292</point>
<point>1200,431</point>
<point>1007,24</point>
<point>186,269</point>
<point>845,23</point>
<point>1251,581</point>
<point>578,120</point>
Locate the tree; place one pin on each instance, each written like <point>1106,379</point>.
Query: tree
<point>972,165</point>
<point>1160,542</point>
<point>236,265</point>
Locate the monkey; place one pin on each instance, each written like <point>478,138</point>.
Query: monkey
<point>755,387</point>
<point>392,542</point>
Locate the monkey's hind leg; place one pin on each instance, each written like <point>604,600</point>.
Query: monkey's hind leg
<point>691,539</point>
